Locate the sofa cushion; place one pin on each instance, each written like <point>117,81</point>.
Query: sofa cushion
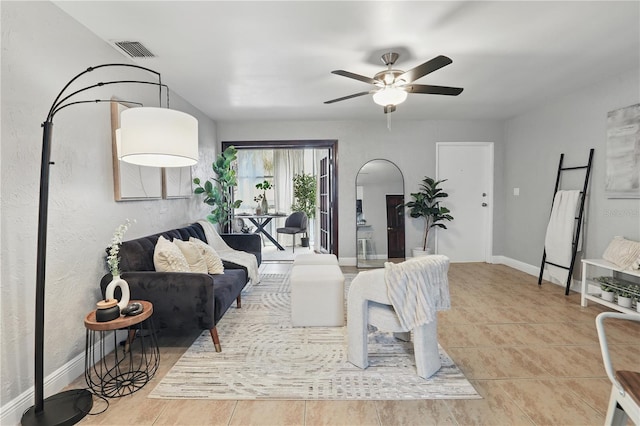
<point>167,257</point>
<point>193,254</point>
<point>211,257</point>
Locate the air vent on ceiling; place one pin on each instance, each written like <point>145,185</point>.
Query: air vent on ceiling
<point>135,49</point>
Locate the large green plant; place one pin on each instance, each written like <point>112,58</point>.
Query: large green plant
<point>426,205</point>
<point>218,190</point>
<point>304,195</point>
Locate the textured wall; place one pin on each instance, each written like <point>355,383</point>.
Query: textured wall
<point>42,48</point>
<point>571,125</point>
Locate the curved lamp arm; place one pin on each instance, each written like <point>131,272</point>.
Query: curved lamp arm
<point>57,101</point>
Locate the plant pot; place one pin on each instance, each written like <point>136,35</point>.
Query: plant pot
<point>624,302</point>
<point>418,251</point>
<point>607,295</point>
<point>304,241</point>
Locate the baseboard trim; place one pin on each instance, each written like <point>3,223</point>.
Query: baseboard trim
<point>11,413</point>
<point>576,285</point>
<point>347,261</point>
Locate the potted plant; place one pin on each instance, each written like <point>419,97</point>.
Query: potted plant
<point>304,199</point>
<point>219,190</point>
<point>607,292</point>
<point>426,205</point>
<point>262,198</point>
<point>624,297</point>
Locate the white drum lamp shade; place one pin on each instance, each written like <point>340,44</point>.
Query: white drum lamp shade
<point>390,96</point>
<point>158,137</point>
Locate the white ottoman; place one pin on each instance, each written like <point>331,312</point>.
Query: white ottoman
<point>317,296</point>
<point>315,259</point>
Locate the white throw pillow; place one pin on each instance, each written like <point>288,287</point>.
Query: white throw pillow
<point>211,257</point>
<point>167,257</point>
<point>194,257</point>
<point>622,252</point>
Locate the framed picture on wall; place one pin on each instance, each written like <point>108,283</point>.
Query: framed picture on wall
<point>176,182</point>
<point>130,181</point>
<point>623,153</point>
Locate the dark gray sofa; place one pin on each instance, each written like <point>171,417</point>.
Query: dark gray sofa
<point>184,300</point>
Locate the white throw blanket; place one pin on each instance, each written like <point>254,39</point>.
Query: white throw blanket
<point>560,231</point>
<point>225,252</point>
<point>417,288</point>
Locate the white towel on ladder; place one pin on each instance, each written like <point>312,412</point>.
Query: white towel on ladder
<point>560,231</point>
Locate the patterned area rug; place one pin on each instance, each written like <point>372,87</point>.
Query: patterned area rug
<point>263,357</point>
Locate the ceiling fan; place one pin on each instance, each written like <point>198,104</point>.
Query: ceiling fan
<point>392,86</point>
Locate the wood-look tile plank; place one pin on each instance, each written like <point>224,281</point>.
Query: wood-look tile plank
<point>496,407</point>
<point>346,413</point>
<point>421,412</point>
<point>551,402</point>
<point>268,413</point>
<point>496,363</point>
<point>194,412</point>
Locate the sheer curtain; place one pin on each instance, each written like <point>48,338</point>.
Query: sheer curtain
<point>287,163</point>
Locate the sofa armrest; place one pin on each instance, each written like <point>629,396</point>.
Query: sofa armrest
<point>251,243</point>
<point>181,300</point>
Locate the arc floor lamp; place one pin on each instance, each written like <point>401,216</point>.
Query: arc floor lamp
<point>149,136</point>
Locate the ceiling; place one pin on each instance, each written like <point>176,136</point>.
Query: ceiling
<point>267,60</point>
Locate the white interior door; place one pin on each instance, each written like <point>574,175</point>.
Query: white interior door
<point>468,168</point>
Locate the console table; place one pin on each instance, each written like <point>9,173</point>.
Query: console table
<point>126,369</point>
<point>588,266</point>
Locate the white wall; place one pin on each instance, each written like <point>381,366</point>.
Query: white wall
<point>571,125</point>
<point>42,49</point>
<point>409,144</point>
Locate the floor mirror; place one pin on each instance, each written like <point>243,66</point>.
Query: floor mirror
<point>380,233</point>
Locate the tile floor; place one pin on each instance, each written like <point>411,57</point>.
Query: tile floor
<point>530,351</point>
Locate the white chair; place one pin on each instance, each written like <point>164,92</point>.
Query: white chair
<point>369,303</point>
<point>624,402</point>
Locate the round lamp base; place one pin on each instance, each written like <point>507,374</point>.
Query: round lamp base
<point>64,408</point>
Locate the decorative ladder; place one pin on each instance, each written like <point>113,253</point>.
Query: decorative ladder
<point>576,236</point>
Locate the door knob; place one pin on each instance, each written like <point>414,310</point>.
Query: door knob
<point>484,204</point>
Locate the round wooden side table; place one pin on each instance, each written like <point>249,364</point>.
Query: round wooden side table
<point>128,367</point>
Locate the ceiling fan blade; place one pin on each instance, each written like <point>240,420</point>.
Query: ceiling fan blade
<point>344,98</point>
<point>424,69</point>
<point>355,76</point>
<point>433,90</point>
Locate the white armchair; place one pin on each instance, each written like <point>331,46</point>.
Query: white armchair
<point>425,290</point>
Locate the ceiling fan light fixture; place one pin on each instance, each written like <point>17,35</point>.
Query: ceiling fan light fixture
<point>390,96</point>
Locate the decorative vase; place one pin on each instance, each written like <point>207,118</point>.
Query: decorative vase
<point>258,210</point>
<point>265,206</point>
<point>607,295</point>
<point>124,288</point>
<point>625,302</point>
<point>107,310</point>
